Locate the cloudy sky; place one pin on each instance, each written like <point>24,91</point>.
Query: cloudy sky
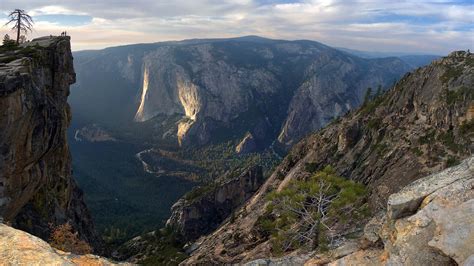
<point>415,26</point>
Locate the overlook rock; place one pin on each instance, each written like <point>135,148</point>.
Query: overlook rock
<point>37,189</point>
<point>20,248</point>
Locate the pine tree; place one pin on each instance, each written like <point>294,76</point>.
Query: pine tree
<point>368,96</point>
<point>22,22</point>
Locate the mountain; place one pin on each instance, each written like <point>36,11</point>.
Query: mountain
<point>37,189</point>
<point>198,92</point>
<point>414,60</point>
<point>419,127</point>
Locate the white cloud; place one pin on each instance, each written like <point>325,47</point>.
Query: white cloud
<point>378,25</point>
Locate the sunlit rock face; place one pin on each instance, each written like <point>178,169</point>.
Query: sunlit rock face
<point>20,248</point>
<point>276,90</point>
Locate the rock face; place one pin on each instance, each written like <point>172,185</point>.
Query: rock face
<point>419,127</point>
<point>36,185</point>
<point>276,90</point>
<point>93,133</point>
<point>20,248</point>
<point>247,145</point>
<point>194,217</point>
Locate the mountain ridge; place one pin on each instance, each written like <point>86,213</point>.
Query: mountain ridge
<point>421,126</point>
<point>270,58</point>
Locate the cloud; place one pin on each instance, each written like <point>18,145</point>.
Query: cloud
<point>377,25</point>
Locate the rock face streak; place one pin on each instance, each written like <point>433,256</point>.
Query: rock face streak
<point>36,184</point>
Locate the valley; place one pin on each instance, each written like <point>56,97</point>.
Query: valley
<point>237,132</point>
<point>158,119</point>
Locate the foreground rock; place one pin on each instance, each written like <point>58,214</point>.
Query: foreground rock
<point>20,248</point>
<point>37,189</point>
<point>437,230</point>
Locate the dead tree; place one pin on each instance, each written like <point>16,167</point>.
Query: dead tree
<point>22,22</point>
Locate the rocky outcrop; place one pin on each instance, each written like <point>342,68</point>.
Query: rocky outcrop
<point>436,230</point>
<point>429,222</point>
<point>93,133</point>
<point>419,127</point>
<point>247,145</point>
<point>20,248</point>
<point>37,190</point>
<point>203,210</point>
<point>225,88</point>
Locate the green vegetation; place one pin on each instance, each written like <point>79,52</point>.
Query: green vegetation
<point>417,151</point>
<point>467,128</point>
<point>199,191</point>
<point>371,102</point>
<point>374,123</point>
<point>310,167</point>
<point>428,138</point>
<point>220,160</point>
<point>450,73</point>
<point>452,161</point>
<point>381,148</point>
<point>305,213</point>
<point>459,95</point>
<point>448,140</point>
<point>163,248</point>
<point>10,51</point>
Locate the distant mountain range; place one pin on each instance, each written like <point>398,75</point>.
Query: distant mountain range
<point>202,91</point>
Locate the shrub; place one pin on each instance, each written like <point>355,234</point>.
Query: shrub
<point>310,167</point>
<point>64,238</point>
<point>452,161</point>
<point>467,128</point>
<point>306,212</point>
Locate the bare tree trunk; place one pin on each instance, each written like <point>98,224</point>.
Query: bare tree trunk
<point>18,29</point>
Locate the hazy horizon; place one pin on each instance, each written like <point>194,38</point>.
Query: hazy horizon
<point>418,27</point>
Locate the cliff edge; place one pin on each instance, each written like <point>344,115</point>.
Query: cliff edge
<point>37,190</point>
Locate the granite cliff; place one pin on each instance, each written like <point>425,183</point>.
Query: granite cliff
<point>203,210</point>
<point>37,190</point>
<point>222,89</point>
<point>419,127</point>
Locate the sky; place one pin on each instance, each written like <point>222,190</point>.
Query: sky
<point>417,26</point>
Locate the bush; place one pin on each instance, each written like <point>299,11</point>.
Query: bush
<point>64,238</point>
<point>305,213</point>
<point>452,161</point>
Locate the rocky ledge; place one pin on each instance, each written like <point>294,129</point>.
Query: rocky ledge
<point>37,190</point>
<point>20,248</point>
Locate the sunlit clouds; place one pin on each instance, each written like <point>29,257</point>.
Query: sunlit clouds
<point>403,26</point>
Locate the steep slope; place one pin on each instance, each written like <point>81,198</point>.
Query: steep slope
<point>422,125</point>
<point>221,89</point>
<point>429,222</point>
<point>37,189</point>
